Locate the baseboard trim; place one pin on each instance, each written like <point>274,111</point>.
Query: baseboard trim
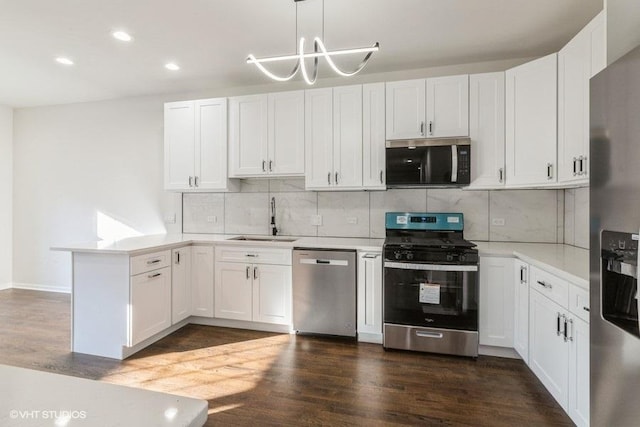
<point>42,288</point>
<point>5,286</point>
<point>490,350</point>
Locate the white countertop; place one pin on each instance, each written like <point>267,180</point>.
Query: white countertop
<point>568,262</point>
<point>33,398</point>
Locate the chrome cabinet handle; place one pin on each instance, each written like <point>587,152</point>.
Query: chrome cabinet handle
<point>586,308</point>
<point>336,178</point>
<point>190,181</point>
<point>545,285</point>
<point>523,271</point>
<point>329,178</point>
<point>264,166</point>
<point>247,271</point>
<point>270,165</point>
<point>570,324</point>
<point>255,272</point>
<point>558,324</point>
<point>575,166</point>
<point>381,181</point>
<point>501,175</point>
<point>564,332</point>
<point>430,128</point>
<point>549,170</point>
<point>422,128</point>
<point>195,181</point>
<point>583,161</point>
<point>153,276</point>
<point>178,258</point>
<point>155,261</point>
<point>251,255</point>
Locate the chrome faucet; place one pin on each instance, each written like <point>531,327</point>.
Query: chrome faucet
<point>274,230</point>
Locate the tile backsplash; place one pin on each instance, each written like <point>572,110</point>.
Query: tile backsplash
<point>503,215</point>
<point>576,217</point>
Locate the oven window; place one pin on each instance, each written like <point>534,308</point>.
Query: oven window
<point>447,299</point>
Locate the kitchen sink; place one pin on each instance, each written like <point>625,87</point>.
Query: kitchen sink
<point>264,239</point>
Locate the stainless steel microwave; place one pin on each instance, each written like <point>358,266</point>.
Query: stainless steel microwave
<point>429,162</point>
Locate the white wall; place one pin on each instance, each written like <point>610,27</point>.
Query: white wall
<point>6,194</point>
<point>623,27</point>
<point>71,162</point>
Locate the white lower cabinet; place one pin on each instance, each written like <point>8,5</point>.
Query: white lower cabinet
<point>202,281</point>
<point>250,290</point>
<point>150,304</point>
<point>559,354</point>
<point>521,309</point>
<point>370,297</point>
<point>181,284</point>
<point>496,301</point>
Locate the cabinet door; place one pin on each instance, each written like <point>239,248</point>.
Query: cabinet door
<point>178,145</point>
<point>271,294</point>
<point>211,144</point>
<point>181,284</point>
<point>496,302</point>
<point>486,129</point>
<point>373,137</point>
<point>347,136</point>
<point>233,296</point>
<point>406,109</point>
<point>370,293</point>
<point>248,135</point>
<point>531,118</point>
<point>521,307</point>
<point>318,138</point>
<point>202,281</point>
<point>579,373</point>
<point>286,133</point>
<point>574,69</point>
<point>448,106</point>
<point>548,352</point>
<point>150,304</point>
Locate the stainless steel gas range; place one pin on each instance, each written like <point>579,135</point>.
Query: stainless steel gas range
<point>430,284</point>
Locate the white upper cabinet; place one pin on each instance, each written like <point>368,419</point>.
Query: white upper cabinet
<point>486,130</point>
<point>578,61</point>
<point>406,109</point>
<point>531,118</point>
<point>373,137</point>
<point>333,138</point>
<point>266,136</point>
<point>195,145</point>
<point>448,106</point>
<point>347,136</point>
<point>248,135</point>
<point>432,108</point>
<point>286,133</point>
<point>318,138</point>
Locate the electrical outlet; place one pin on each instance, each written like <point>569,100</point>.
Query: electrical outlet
<point>212,218</point>
<point>352,220</point>
<point>499,222</point>
<point>170,218</point>
<point>316,220</point>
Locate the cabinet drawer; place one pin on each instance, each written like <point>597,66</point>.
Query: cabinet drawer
<point>253,255</point>
<point>579,302</point>
<point>148,262</point>
<point>549,285</point>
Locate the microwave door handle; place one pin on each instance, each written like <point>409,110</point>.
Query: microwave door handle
<point>454,163</point>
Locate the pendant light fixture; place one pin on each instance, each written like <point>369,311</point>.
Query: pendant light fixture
<point>319,51</point>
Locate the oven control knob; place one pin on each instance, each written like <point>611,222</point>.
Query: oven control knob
<point>463,258</point>
<point>409,255</point>
<point>449,257</point>
<point>397,254</point>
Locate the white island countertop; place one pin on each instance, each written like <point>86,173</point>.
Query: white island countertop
<point>568,262</point>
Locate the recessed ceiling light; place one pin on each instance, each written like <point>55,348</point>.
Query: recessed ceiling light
<point>122,36</point>
<point>172,66</point>
<point>64,61</point>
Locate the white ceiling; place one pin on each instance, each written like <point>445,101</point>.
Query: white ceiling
<point>210,39</point>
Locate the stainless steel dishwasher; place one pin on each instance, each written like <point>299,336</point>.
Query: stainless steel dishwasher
<point>324,291</point>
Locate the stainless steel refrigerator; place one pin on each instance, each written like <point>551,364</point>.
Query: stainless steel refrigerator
<point>614,234</point>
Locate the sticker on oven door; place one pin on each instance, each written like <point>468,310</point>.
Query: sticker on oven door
<point>401,220</point>
<point>429,293</point>
<point>453,219</point>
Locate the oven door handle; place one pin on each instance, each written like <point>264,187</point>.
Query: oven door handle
<point>454,163</point>
<point>430,267</point>
<point>425,334</point>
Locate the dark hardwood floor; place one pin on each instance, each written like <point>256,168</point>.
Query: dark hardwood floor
<point>257,378</point>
